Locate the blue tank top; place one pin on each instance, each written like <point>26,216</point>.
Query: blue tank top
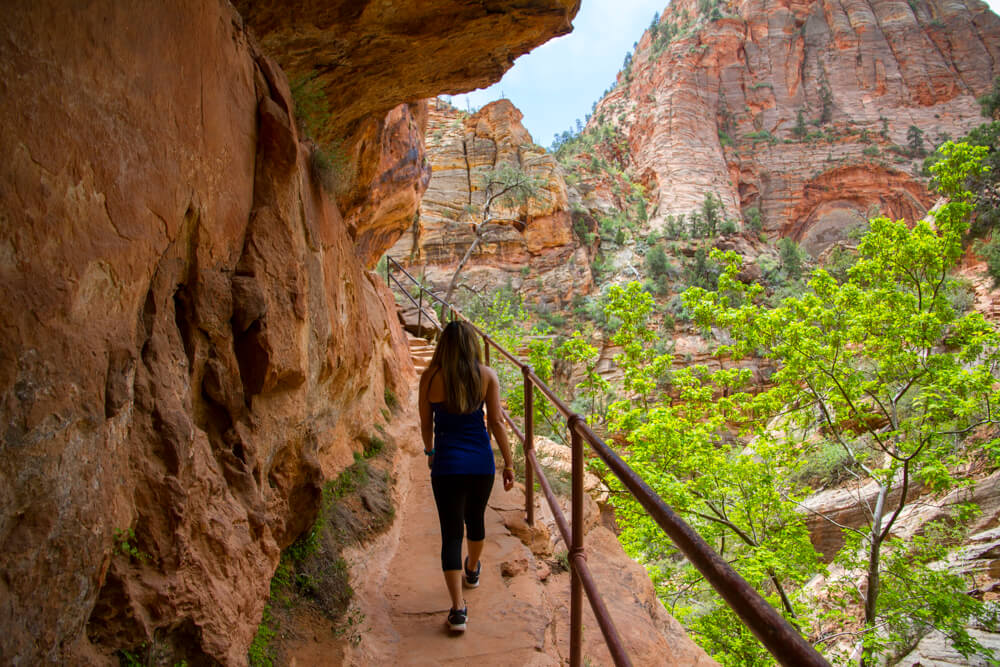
<point>461,443</point>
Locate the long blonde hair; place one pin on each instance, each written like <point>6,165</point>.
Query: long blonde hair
<point>457,357</point>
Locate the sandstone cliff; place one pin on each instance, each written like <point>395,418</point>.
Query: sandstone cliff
<point>532,243</point>
<point>802,111</point>
<point>190,340</point>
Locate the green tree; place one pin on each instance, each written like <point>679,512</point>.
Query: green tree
<point>800,130</point>
<point>915,141</point>
<point>593,387</point>
<point>657,262</point>
<point>894,375</point>
<point>791,256</point>
<point>711,213</point>
<point>737,498</point>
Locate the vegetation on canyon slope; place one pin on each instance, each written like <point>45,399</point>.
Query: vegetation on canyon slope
<point>879,374</point>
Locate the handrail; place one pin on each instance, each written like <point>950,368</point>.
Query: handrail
<point>420,307</point>
<point>778,636</point>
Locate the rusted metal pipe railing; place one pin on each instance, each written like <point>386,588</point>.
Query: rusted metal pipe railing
<point>529,444</point>
<point>773,631</point>
<point>392,279</point>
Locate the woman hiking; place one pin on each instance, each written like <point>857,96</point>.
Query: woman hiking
<point>453,391</point>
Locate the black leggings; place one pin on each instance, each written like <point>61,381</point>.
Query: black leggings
<point>460,499</point>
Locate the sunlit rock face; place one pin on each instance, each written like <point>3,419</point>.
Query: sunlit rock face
<point>191,343</point>
<point>718,108</point>
<point>531,244</point>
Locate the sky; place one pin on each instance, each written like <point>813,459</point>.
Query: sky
<point>559,81</point>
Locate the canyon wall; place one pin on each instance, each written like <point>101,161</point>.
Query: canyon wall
<point>191,343</point>
<point>801,110</point>
<point>531,241</point>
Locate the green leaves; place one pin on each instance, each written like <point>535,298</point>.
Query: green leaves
<point>876,372</point>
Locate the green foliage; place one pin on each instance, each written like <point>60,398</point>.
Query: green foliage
<point>656,261</point>
<point>711,211</point>
<point>391,401</point>
<point>261,653</point>
<point>985,185</point>
<point>311,106</point>
<point>761,135</point>
<point>701,271</point>
<point>642,368</point>
<point>800,130</point>
<point>126,545</point>
<point>593,386</point>
<point>868,358</point>
<point>329,166</point>
<point>792,257</point>
<point>915,141</point>
<point>990,102</point>
<point>753,219</point>
<point>734,497</point>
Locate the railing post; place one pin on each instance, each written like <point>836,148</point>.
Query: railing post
<point>387,283</point>
<point>576,549</point>
<point>420,311</point>
<point>529,444</point>
<point>486,350</point>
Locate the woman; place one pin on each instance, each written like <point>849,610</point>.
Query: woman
<point>453,391</point>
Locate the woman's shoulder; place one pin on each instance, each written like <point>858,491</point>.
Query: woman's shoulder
<point>487,372</point>
<point>427,375</point>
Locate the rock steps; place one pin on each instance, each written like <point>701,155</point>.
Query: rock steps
<point>421,352</point>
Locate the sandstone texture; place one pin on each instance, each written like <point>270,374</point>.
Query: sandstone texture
<point>191,343</point>
<point>717,108</point>
<point>530,245</point>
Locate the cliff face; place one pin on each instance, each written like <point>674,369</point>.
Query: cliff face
<point>190,340</point>
<point>369,56</point>
<point>531,241</point>
<point>801,110</point>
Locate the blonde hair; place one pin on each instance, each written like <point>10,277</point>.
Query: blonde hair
<point>457,358</point>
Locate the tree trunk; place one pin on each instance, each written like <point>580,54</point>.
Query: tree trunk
<point>461,265</point>
<point>874,557</point>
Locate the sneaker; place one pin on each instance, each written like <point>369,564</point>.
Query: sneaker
<point>457,619</point>
<point>472,578</point>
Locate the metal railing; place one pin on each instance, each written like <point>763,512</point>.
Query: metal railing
<point>777,635</point>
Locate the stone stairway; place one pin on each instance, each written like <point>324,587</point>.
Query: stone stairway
<point>421,352</point>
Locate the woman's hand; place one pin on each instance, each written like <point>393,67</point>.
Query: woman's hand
<point>508,478</point>
<point>430,462</point>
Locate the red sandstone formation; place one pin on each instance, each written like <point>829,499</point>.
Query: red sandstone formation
<point>717,108</point>
<point>533,242</point>
<point>190,340</point>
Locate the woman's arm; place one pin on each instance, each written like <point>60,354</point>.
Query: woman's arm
<point>494,417</point>
<point>426,418</point>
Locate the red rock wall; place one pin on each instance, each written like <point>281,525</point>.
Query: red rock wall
<point>190,342</point>
<point>532,242</point>
<point>716,110</point>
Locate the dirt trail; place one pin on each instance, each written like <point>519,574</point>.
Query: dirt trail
<point>508,617</point>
